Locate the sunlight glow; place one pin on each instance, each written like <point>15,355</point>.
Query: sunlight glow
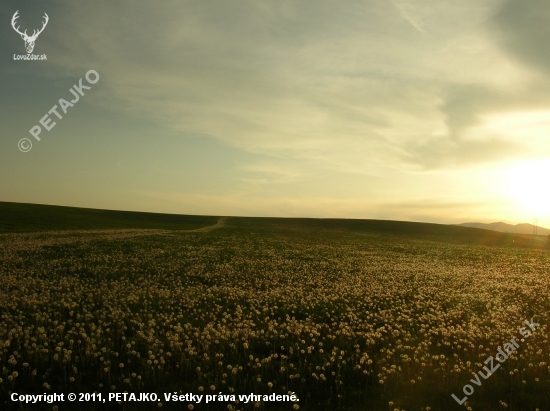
<point>522,124</point>
<point>528,184</point>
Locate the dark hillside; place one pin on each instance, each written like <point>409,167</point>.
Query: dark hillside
<point>20,217</point>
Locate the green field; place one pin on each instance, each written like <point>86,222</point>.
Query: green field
<point>346,314</point>
<point>16,217</point>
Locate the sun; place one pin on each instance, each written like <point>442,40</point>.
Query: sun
<point>529,186</point>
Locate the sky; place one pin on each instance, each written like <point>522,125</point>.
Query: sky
<point>419,110</point>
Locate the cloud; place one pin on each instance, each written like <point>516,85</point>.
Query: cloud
<point>407,10</point>
<point>446,153</point>
<point>342,88</point>
<point>524,30</point>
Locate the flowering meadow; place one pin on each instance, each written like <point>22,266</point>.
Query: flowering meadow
<point>344,319</point>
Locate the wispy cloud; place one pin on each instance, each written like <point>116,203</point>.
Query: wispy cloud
<point>289,80</point>
<point>407,10</point>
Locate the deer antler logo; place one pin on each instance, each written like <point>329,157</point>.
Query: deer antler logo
<point>29,40</point>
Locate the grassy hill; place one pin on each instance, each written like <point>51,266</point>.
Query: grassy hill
<point>388,228</point>
<point>19,217</point>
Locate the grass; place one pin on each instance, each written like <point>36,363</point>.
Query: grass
<point>18,217</point>
<point>348,314</point>
<point>396,229</point>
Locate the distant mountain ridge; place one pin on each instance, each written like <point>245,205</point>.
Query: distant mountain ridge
<point>523,228</point>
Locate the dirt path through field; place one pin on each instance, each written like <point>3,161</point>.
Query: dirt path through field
<point>18,241</point>
<point>220,223</point>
